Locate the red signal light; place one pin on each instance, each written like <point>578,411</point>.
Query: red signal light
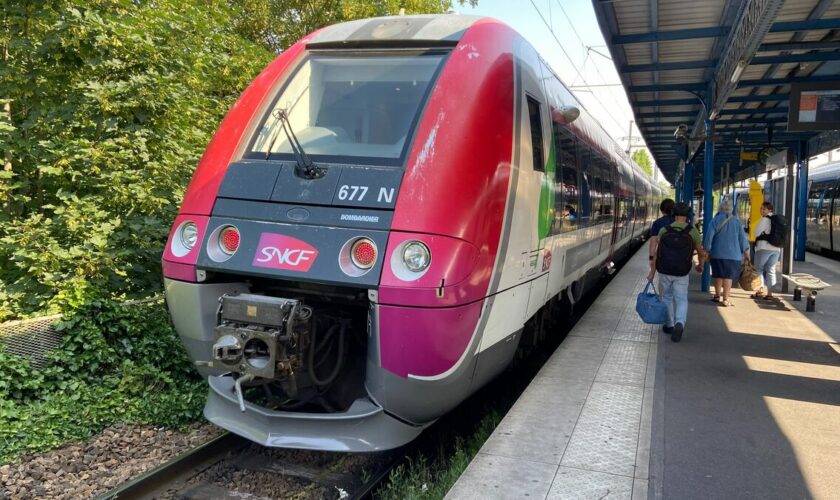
<point>229,240</point>
<point>363,253</point>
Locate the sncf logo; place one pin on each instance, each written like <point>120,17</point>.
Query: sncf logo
<point>278,251</point>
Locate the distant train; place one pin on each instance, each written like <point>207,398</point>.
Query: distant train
<point>376,220</point>
<point>823,215</point>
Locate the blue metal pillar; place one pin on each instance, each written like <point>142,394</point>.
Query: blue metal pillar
<point>708,181</point>
<point>688,183</point>
<point>678,191</point>
<point>802,199</point>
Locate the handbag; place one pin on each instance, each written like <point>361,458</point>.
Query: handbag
<point>750,279</point>
<point>650,306</point>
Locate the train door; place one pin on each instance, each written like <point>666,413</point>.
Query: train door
<point>615,181</point>
<point>817,218</point>
<point>523,283</point>
<point>833,215</point>
<point>538,201</point>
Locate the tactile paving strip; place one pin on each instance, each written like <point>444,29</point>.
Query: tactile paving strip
<point>607,431</point>
<point>624,363</point>
<point>576,484</point>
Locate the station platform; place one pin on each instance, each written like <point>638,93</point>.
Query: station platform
<point>747,405</point>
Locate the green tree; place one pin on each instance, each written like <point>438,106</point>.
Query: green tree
<point>111,104</point>
<point>106,107</point>
<point>279,23</point>
<point>642,159</point>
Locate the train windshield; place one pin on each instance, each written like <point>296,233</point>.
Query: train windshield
<point>361,107</point>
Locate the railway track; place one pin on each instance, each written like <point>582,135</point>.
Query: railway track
<point>231,467</point>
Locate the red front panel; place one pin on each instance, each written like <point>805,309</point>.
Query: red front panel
<point>458,171</point>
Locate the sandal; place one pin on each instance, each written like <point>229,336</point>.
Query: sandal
<point>716,298</point>
<point>758,295</point>
<point>726,303</point>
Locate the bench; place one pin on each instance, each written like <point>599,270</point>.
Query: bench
<point>808,282</point>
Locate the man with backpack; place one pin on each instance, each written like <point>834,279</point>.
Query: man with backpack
<point>771,232</point>
<point>672,259</point>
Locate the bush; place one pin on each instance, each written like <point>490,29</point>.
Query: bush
<point>116,363</point>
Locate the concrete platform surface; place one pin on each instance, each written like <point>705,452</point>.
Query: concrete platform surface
<point>746,406</point>
<point>749,402</point>
<point>582,428</point>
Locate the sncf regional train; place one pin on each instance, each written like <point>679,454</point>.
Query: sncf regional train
<point>375,221</point>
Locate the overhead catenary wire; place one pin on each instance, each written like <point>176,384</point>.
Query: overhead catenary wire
<point>572,62</point>
<point>588,52</point>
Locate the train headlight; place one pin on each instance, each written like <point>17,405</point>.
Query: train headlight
<point>189,234</point>
<point>184,238</point>
<point>416,256</point>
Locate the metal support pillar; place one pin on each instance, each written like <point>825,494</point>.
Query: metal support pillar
<point>788,212</point>
<point>802,200</point>
<point>678,191</point>
<point>688,183</point>
<point>708,180</point>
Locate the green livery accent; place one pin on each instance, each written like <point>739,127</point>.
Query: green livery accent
<point>547,197</point>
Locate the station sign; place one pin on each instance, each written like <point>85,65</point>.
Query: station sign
<point>814,106</point>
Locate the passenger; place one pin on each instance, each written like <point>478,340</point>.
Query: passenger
<point>728,246</point>
<point>569,213</point>
<point>666,207</point>
<point>766,255</point>
<point>673,250</point>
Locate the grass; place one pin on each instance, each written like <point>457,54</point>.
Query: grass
<point>420,478</point>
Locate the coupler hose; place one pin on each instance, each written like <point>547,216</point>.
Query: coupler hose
<point>339,361</point>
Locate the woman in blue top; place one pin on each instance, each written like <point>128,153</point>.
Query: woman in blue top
<point>728,246</point>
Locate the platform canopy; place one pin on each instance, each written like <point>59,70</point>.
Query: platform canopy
<point>684,61</point>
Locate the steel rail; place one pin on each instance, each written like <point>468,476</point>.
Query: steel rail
<point>189,464</point>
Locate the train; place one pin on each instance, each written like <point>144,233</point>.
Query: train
<point>822,226</point>
<point>378,217</point>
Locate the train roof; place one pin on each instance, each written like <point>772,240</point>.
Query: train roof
<point>830,171</point>
<point>448,29</point>
<point>416,28</point>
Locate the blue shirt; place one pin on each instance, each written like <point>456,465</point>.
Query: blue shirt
<point>659,223</point>
<point>726,241</point>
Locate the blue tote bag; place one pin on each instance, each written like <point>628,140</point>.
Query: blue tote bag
<point>650,307</point>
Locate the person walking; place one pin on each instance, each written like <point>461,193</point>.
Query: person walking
<point>766,253</point>
<point>672,259</point>
<point>727,243</point>
<point>666,207</point>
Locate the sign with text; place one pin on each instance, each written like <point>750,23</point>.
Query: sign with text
<point>814,106</point>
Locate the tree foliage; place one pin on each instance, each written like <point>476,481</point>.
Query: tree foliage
<point>110,104</point>
<point>642,159</point>
<point>279,23</point>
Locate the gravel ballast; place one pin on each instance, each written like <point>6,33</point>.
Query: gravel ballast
<point>87,469</point>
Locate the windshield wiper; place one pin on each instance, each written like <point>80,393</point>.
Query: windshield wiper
<point>304,166</point>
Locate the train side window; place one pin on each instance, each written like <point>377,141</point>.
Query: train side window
<point>585,212</point>
<point>814,204</point>
<point>536,133</point>
<point>596,186</point>
<point>566,201</point>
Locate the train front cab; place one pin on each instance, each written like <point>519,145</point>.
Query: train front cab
<point>487,211</point>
